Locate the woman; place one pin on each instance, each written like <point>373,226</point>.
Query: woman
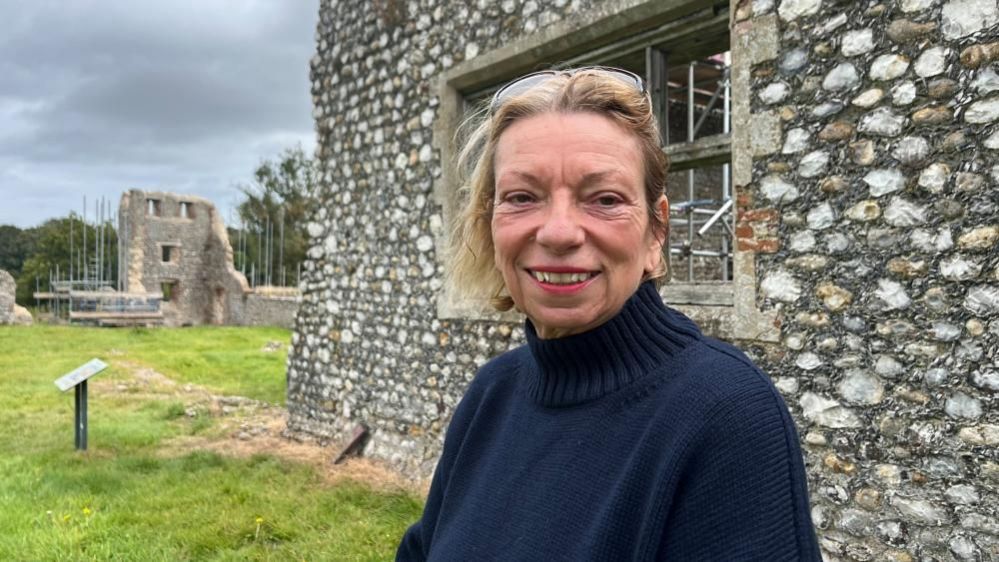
<point>619,432</point>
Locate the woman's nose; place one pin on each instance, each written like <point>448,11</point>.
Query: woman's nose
<point>561,230</point>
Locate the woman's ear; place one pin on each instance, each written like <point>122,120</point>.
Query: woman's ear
<point>660,236</point>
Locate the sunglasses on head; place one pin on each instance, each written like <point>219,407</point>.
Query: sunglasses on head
<point>528,81</point>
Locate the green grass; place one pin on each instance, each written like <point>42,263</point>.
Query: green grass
<point>127,498</point>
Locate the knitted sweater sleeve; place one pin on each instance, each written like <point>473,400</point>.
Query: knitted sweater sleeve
<point>743,494</point>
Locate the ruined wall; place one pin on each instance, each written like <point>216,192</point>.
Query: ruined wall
<point>271,306</point>
<point>207,289</point>
<point>864,150</point>
<point>883,197</point>
<point>10,311</point>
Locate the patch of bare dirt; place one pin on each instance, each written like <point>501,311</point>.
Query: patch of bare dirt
<point>243,427</point>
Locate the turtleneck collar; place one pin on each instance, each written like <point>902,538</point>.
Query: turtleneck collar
<point>586,366</point>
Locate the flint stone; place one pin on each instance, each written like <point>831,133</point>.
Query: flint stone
<point>979,239</point>
<point>931,62</point>
<point>826,109</point>
<point>986,82</point>
<point>808,361</point>
<point>793,61</point>
<point>857,42</point>
<point>861,387</point>
<point>813,164</point>
<point>964,17</point>
<point>883,181</point>
<point>909,6</point>
<point>866,210</point>
<point>843,77</point>
<point>992,143</point>
<point>980,522</point>
<point>901,212</point>
<point>941,88</point>
<point>862,152</point>
<point>803,241</point>
<point>796,140</point>
<point>945,331</point>
<point>936,376</point>
<point>837,242</point>
<point>956,268</point>
<point>932,116</point>
<point>774,93</point>
<point>903,93</point>
<point>826,412</point>
<point>836,131</point>
<point>775,189</point>
<point>835,298</point>
<point>934,177</point>
<point>903,30</point>
<point>986,380</point>
<point>892,295</point>
<point>920,511</point>
<point>911,150</point>
<point>821,217</point>
<point>907,268</point>
<point>781,285</point>
<point>985,434</point>
<point>960,405</point>
<point>888,67</point>
<point>982,112</point>
<point>793,9</point>
<point>883,122</point>
<point>868,98</point>
<point>982,300</point>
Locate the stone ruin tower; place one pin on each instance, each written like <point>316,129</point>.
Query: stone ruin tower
<point>177,245</point>
<point>860,166</point>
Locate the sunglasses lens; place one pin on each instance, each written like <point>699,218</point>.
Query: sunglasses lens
<point>525,83</point>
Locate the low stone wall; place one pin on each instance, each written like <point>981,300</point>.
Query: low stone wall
<point>262,309</point>
<point>10,312</point>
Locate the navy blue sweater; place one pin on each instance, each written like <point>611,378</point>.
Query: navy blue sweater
<point>638,440</point>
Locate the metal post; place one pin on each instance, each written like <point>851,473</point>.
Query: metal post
<point>84,222</point>
<point>726,168</point>
<point>690,172</point>
<point>80,421</point>
<point>281,246</point>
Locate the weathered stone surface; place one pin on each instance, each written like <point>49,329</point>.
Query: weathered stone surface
<point>843,77</point>
<point>934,177</point>
<point>960,405</point>
<point>982,300</point>
<point>790,10</point>
<point>911,151</point>
<point>861,387</point>
<point>868,98</point>
<point>857,42</point>
<point>908,268</point>
<point>979,239</point>
<point>941,88</point>
<point>984,111</point>
<point>8,308</point>
<point>920,511</point>
<point>834,297</point>
<point>883,181</point>
<point>821,217</point>
<point>781,285</point>
<point>827,412</point>
<point>866,210</point>
<point>902,212</point>
<point>904,30</point>
<point>774,93</point>
<point>862,152</point>
<point>836,131</point>
<point>832,184</point>
<point>796,140</point>
<point>813,164</point>
<point>892,295</point>
<point>882,122</point>
<point>977,55</point>
<point>932,116</point>
<point>889,67</point>
<point>931,62</point>
<point>964,17</point>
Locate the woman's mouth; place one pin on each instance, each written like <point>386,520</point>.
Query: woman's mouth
<point>560,278</point>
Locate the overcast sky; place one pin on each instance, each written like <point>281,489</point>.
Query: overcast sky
<point>98,97</point>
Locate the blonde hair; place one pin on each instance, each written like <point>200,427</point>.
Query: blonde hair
<point>473,272</point>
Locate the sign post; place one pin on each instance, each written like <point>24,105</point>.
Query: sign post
<point>77,378</point>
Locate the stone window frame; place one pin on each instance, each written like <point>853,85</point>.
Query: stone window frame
<point>727,309</point>
<point>169,290</point>
<point>171,250</point>
<point>154,207</point>
<point>185,210</point>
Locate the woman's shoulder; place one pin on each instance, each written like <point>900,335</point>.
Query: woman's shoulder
<point>499,371</point>
<point>721,373</point>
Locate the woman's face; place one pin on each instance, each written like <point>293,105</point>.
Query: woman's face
<point>570,222</point>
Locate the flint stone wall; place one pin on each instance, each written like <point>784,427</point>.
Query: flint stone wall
<point>864,149</point>
<point>8,288</point>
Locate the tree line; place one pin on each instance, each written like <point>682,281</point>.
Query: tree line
<point>269,241</point>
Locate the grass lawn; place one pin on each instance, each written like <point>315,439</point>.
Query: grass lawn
<point>133,496</point>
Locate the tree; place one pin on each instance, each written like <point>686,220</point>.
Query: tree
<point>276,208</point>
<point>16,245</point>
<point>51,252</point>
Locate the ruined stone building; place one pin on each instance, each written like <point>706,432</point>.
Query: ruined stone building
<point>860,170</point>
<point>177,245</point>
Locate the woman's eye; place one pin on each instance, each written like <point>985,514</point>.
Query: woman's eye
<point>607,200</point>
<point>519,198</point>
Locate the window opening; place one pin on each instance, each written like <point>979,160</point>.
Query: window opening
<point>170,254</point>
<point>170,290</point>
<point>185,210</point>
<point>153,207</point>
